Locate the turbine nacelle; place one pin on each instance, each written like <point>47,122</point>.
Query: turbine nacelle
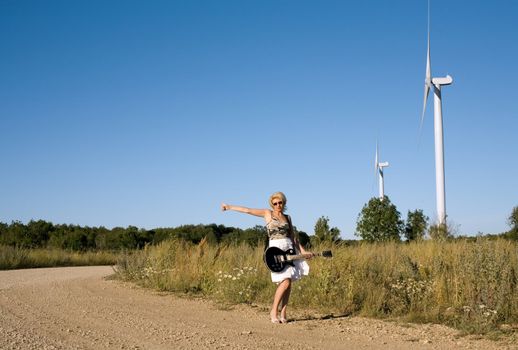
<point>447,80</point>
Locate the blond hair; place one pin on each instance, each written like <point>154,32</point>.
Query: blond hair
<point>281,196</point>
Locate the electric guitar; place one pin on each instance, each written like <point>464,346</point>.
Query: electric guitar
<point>277,259</point>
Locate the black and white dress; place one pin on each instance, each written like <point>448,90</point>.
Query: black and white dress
<point>279,236</point>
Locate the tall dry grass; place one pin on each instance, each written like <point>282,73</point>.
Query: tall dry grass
<point>469,285</point>
<point>19,258</point>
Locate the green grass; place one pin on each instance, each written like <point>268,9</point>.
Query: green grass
<point>469,285</point>
<point>19,258</point>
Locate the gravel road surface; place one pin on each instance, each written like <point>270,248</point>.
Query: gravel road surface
<point>80,308</point>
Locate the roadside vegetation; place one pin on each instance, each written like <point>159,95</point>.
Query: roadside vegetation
<point>20,258</point>
<point>468,285</point>
<point>43,244</point>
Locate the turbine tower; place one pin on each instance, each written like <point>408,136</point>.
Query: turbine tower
<point>436,84</point>
<point>378,168</point>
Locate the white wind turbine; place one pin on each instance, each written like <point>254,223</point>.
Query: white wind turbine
<point>378,168</point>
<point>436,83</point>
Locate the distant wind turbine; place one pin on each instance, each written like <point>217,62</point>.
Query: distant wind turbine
<point>378,169</point>
<point>436,84</point>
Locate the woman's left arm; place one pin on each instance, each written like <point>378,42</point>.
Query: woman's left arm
<point>296,242</point>
<point>303,251</point>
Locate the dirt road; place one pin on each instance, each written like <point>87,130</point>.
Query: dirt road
<point>79,308</point>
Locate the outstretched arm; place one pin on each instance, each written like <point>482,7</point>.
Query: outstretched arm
<point>255,212</point>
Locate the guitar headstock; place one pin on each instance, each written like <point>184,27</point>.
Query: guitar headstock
<point>327,254</point>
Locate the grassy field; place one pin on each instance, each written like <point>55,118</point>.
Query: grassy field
<point>469,285</point>
<point>19,258</point>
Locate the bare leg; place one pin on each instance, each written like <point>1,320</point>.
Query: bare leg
<point>284,303</point>
<point>282,288</point>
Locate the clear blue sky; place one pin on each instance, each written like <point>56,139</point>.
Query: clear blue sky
<point>152,113</point>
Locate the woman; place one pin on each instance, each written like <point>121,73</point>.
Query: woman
<point>280,234</point>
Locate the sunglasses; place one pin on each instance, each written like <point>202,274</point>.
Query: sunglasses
<point>276,204</point>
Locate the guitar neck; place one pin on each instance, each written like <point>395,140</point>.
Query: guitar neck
<point>300,256</point>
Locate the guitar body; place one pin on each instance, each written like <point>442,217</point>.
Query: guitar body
<point>276,259</point>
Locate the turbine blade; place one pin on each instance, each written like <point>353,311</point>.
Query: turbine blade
<point>376,159</point>
<point>428,77</point>
<point>426,92</point>
<point>376,163</point>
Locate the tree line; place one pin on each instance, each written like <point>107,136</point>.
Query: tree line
<point>43,234</point>
<point>378,221</point>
